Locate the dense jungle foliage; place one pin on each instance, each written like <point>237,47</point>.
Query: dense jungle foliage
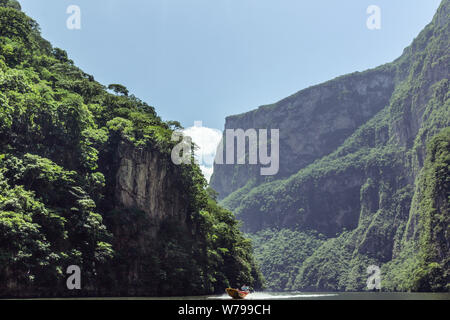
<point>59,131</point>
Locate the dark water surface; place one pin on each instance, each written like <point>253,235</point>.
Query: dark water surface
<point>306,296</point>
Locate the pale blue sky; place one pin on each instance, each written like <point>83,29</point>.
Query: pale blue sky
<point>207,59</point>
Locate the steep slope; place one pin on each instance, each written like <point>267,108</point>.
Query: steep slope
<point>354,150</point>
<point>86,179</point>
<point>323,116</point>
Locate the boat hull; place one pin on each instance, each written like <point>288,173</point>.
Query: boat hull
<point>236,294</point>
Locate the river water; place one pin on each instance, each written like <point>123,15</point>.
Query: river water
<point>315,296</point>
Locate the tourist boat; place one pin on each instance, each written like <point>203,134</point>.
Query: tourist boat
<point>236,293</point>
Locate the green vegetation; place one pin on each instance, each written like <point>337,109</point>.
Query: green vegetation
<point>280,253</point>
<point>381,197</point>
<point>59,135</point>
<point>424,264</point>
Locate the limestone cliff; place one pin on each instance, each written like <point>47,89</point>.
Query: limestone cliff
<point>351,151</point>
<point>147,181</point>
<point>146,199</point>
<point>312,123</point>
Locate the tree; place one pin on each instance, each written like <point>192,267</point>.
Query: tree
<point>118,89</point>
<point>10,4</point>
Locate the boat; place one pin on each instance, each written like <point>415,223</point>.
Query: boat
<point>236,293</point>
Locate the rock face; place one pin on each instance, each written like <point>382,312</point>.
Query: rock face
<point>312,123</point>
<point>351,151</point>
<point>147,198</point>
<point>144,182</point>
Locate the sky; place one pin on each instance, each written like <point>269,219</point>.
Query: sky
<point>203,60</point>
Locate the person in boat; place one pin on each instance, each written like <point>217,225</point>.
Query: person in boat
<point>245,288</point>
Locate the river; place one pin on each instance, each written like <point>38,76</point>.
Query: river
<point>310,296</point>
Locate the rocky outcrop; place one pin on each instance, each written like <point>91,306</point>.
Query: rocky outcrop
<point>145,181</point>
<point>147,201</point>
<point>312,123</point>
<point>351,151</point>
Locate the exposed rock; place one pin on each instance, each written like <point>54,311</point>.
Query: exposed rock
<point>351,151</point>
<point>144,182</point>
<point>312,123</point>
